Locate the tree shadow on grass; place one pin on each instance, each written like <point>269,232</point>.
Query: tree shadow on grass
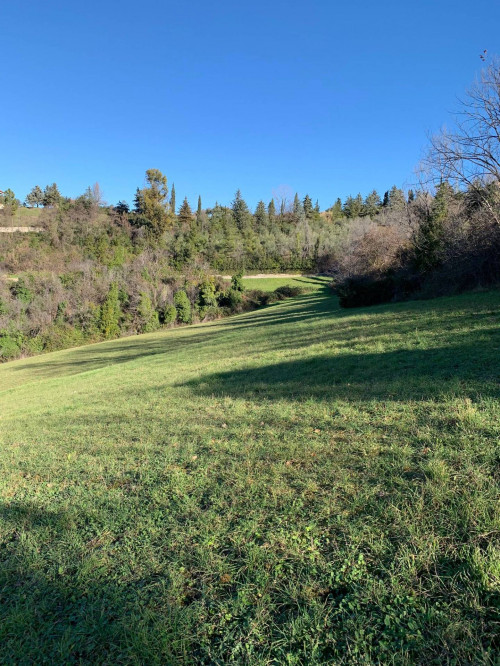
<point>53,612</point>
<point>405,374</point>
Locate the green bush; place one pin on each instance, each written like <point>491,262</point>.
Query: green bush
<point>237,282</point>
<point>10,346</point>
<point>169,314</point>
<point>149,319</point>
<point>183,306</point>
<point>109,319</point>
<point>287,291</point>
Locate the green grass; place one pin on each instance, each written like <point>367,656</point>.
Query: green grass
<point>295,485</point>
<point>271,283</point>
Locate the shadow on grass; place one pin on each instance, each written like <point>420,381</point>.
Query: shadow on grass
<point>397,375</point>
<point>52,612</point>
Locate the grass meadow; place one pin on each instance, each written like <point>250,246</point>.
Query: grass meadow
<point>296,485</point>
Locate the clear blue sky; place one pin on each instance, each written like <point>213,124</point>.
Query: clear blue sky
<point>330,98</point>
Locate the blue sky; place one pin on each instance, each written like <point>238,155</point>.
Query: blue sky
<point>329,98</point>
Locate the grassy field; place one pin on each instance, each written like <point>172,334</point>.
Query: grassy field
<point>295,485</point>
<point>270,283</point>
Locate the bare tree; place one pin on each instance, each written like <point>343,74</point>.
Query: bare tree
<point>469,154</point>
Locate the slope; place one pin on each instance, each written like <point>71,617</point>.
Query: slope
<point>294,485</point>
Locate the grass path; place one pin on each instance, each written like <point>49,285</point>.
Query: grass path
<point>295,485</point>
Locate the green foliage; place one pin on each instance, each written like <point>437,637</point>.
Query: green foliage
<point>237,282</point>
<point>35,197</point>
<point>110,314</point>
<point>21,291</point>
<point>169,314</point>
<point>51,196</point>
<point>240,211</point>
<point>429,238</point>
<point>185,213</point>
<point>208,295</point>
<point>10,346</point>
<point>151,202</point>
<point>8,199</point>
<point>148,316</point>
<point>183,307</point>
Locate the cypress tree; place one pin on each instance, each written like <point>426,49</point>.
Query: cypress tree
<point>271,211</point>
<point>172,200</point>
<point>308,207</point>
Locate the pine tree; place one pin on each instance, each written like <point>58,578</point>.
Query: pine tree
<point>397,199</point>
<point>240,210</point>
<point>9,200</point>
<point>308,207</point>
<point>35,197</point>
<point>185,213</point>
<point>336,210</point>
<point>411,196</point>
<point>316,207</point>
<point>172,200</point>
<point>429,237</point>
<point>51,195</point>
<point>385,202</point>
<point>372,204</point>
<point>151,202</point>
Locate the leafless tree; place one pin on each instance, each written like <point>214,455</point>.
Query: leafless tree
<point>469,154</point>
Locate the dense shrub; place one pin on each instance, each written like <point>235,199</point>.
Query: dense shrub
<point>169,314</point>
<point>183,307</point>
<point>287,291</point>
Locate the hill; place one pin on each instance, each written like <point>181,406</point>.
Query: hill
<point>296,485</point>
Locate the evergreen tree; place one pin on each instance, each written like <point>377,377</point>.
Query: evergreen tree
<point>316,207</point>
<point>185,213</point>
<point>109,320</point>
<point>336,210</point>
<point>240,210</point>
<point>51,196</point>
<point>260,216</point>
<point>198,210</point>
<point>297,206</point>
<point>372,204</point>
<point>183,307</point>
<point>9,200</point>
<point>35,197</point>
<point>151,202</point>
<point>397,199</point>
<point>122,207</point>
<point>308,207</point>
<point>353,206</point>
<point>411,196</point>
<point>429,238</point>
<point>148,317</point>
<point>271,211</point>
<point>172,200</point>
<point>385,202</point>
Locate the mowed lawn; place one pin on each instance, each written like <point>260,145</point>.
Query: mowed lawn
<point>296,485</point>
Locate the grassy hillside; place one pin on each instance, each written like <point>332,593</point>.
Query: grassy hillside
<point>296,485</point>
